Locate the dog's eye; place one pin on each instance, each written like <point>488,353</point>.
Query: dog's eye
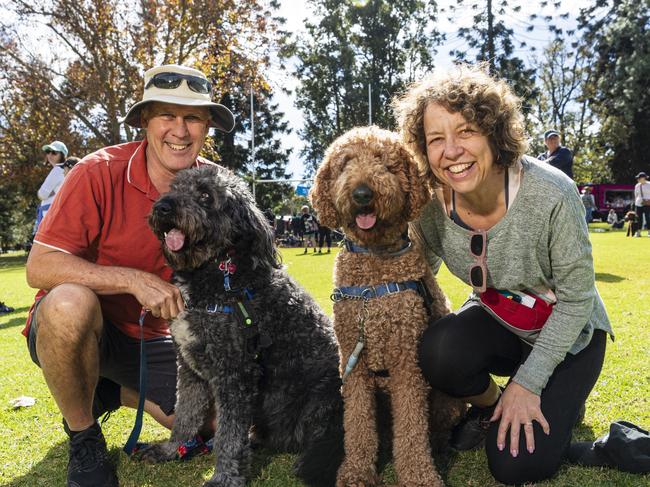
<point>205,198</point>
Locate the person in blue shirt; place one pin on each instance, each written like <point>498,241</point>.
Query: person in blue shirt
<point>557,155</point>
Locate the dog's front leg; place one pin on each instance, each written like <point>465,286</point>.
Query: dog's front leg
<point>193,406</point>
<point>361,440</point>
<point>409,402</point>
<point>235,394</point>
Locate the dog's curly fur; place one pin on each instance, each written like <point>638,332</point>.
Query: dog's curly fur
<point>286,389</point>
<point>376,160</point>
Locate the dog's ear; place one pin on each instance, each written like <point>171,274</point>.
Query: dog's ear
<point>256,235</point>
<point>320,195</point>
<point>418,191</point>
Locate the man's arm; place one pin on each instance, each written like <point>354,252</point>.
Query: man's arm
<point>48,268</point>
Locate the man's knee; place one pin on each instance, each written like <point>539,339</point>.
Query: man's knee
<point>69,311</point>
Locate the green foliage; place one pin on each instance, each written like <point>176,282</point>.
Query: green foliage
<point>491,39</point>
<point>35,453</point>
<point>352,45</point>
<point>78,89</point>
<point>271,158</point>
<point>618,35</point>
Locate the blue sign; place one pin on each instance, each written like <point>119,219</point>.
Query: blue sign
<point>302,190</point>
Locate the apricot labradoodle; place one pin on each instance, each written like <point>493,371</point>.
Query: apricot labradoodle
<point>368,185</point>
<point>252,345</point>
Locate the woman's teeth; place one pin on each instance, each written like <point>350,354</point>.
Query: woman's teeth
<point>458,168</point>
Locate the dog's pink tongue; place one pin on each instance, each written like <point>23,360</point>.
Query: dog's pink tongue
<point>174,239</point>
<point>365,222</point>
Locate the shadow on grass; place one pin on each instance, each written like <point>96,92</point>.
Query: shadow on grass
<point>17,321</point>
<point>583,432</point>
<point>51,469</point>
<point>605,277</point>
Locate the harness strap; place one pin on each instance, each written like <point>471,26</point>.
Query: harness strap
<point>350,246</point>
<point>137,427</point>
<point>376,291</point>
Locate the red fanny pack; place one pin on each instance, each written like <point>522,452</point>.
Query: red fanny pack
<point>522,312</point>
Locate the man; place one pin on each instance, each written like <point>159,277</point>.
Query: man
<point>557,155</point>
<point>98,265</point>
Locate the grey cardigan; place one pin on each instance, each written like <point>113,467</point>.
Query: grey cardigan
<point>541,242</point>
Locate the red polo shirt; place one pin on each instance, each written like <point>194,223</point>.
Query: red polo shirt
<point>100,214</point>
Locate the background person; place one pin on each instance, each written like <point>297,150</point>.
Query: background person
<point>642,202</point>
<point>309,228</point>
<point>588,202</point>
<point>557,155</point>
<point>97,265</point>
<point>324,236</point>
<point>612,219</point>
<point>55,154</point>
<point>479,223</point>
<point>68,164</point>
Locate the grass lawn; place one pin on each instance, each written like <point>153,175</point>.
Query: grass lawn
<point>34,447</point>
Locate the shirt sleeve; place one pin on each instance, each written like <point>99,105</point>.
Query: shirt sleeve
<point>573,274</point>
<point>74,221</point>
<point>50,185</point>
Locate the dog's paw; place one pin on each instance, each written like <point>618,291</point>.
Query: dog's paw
<point>157,453</point>
<point>349,476</point>
<point>223,480</point>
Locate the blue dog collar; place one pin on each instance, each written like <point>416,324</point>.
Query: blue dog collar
<point>350,246</point>
<point>376,291</point>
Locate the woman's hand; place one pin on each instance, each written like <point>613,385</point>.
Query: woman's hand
<point>518,407</point>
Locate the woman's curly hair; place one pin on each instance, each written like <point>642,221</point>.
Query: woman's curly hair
<point>480,98</point>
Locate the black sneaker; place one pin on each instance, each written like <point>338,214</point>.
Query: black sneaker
<point>470,433</point>
<point>5,309</point>
<point>89,464</point>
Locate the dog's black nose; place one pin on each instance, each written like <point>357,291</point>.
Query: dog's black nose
<point>163,206</point>
<point>362,195</point>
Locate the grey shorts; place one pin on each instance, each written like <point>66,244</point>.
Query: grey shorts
<point>119,365</point>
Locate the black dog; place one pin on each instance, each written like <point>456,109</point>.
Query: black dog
<point>252,345</point>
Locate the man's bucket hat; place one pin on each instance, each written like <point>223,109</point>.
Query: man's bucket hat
<point>56,146</point>
<point>641,175</point>
<point>626,447</point>
<point>180,85</point>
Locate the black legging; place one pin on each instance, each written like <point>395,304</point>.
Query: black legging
<point>640,211</point>
<point>459,352</point>
<point>324,235</point>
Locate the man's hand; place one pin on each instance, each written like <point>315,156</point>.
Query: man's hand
<point>163,299</point>
<point>518,407</point>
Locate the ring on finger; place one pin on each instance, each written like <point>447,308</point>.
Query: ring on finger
<point>528,424</point>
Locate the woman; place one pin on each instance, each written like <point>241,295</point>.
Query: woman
<point>501,220</point>
<point>642,202</point>
<point>55,154</point>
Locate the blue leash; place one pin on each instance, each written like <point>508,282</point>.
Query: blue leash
<point>137,427</point>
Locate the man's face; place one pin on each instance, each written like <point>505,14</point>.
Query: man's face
<point>552,142</point>
<point>175,135</point>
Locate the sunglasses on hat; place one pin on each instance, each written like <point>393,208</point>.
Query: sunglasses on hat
<point>170,81</point>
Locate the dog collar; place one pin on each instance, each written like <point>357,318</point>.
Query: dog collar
<point>350,246</point>
<point>376,291</point>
